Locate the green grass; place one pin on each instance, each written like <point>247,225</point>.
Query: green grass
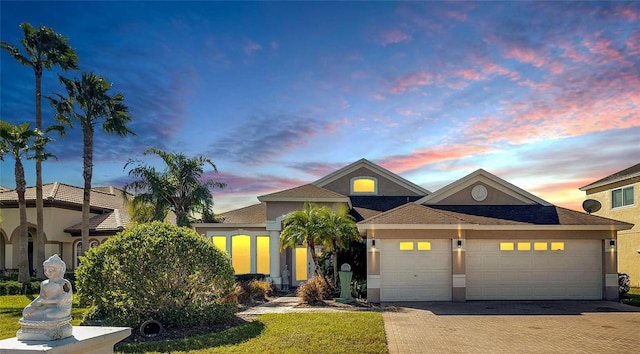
<point>340,332</point>
<point>632,297</point>
<point>11,311</point>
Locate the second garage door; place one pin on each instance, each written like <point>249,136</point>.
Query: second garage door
<point>534,270</point>
<point>415,270</point>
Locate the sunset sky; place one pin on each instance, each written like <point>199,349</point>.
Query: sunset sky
<point>545,95</point>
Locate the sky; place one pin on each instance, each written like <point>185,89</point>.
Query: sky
<point>545,95</point>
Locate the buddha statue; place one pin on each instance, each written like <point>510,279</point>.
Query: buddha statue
<point>47,317</point>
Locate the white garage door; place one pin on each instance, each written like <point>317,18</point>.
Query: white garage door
<point>415,270</point>
<point>528,270</point>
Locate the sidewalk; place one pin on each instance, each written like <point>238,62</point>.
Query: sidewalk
<point>292,303</point>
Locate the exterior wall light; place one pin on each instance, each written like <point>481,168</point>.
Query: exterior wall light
<point>612,244</point>
<point>373,243</point>
<point>459,244</point>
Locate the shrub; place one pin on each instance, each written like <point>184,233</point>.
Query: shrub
<point>11,287</point>
<point>313,290</point>
<point>246,291</point>
<point>623,284</point>
<point>156,271</point>
<point>249,277</point>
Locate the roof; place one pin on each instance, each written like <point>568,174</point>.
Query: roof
<point>107,223</point>
<point>474,216</point>
<point>627,173</point>
<point>375,168</point>
<point>381,203</point>
<point>253,214</point>
<point>63,194</point>
<point>307,192</point>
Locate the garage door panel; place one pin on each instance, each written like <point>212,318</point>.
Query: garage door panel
<point>575,273</point>
<point>415,275</point>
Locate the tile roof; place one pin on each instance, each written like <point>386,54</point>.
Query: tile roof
<point>488,215</point>
<point>633,171</point>
<point>253,214</point>
<point>307,191</point>
<point>110,222</point>
<point>65,194</point>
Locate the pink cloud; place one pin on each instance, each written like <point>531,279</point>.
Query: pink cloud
<point>251,47</point>
<point>628,13</point>
<point>603,48</point>
<point>394,37</point>
<point>433,155</point>
<point>416,79</point>
<point>526,55</point>
<point>456,15</point>
<point>633,43</point>
<point>469,74</point>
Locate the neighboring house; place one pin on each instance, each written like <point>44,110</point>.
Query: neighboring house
<point>618,198</point>
<point>62,221</point>
<point>479,238</point>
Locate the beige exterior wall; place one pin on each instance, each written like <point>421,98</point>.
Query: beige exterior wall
<point>385,186</point>
<point>628,240</point>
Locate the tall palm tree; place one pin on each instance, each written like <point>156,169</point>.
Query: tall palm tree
<point>306,227</point>
<point>20,141</point>
<point>88,102</point>
<point>178,188</point>
<point>342,230</point>
<point>44,49</point>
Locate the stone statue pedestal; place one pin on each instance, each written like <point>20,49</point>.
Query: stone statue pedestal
<point>345,275</point>
<point>84,339</point>
<point>45,330</point>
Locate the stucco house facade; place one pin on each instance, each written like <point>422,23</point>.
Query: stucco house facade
<point>478,238</point>
<point>62,221</point>
<point>618,197</point>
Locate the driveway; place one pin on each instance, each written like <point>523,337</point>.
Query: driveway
<point>512,327</point>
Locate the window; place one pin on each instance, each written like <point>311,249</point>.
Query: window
<point>506,246</point>
<point>524,246</point>
<point>364,185</point>
<point>424,246</point>
<point>301,263</point>
<point>622,197</point>
<point>540,246</point>
<point>557,246</point>
<point>220,242</point>
<point>262,256</point>
<point>406,246</point>
<point>241,254</point>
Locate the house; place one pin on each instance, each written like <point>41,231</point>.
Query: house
<point>478,238</point>
<point>62,221</point>
<point>617,198</point>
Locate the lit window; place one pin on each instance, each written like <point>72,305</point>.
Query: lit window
<point>622,197</point>
<point>540,246</point>
<point>241,254</point>
<point>524,246</point>
<point>424,246</point>
<point>506,246</point>
<point>364,185</point>
<point>262,255</point>
<point>301,263</point>
<point>220,242</point>
<point>557,246</point>
<point>406,246</point>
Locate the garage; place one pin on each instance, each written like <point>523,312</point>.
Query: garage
<point>415,270</point>
<point>534,269</point>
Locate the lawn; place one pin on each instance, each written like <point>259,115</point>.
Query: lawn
<point>632,297</point>
<point>339,332</point>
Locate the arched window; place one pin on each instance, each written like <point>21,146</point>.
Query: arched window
<point>364,185</point>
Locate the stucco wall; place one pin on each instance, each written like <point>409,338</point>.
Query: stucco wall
<point>385,186</point>
<point>494,197</point>
<point>628,240</point>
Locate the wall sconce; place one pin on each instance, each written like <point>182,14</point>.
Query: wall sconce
<point>373,243</point>
<point>459,244</point>
<point>612,244</point>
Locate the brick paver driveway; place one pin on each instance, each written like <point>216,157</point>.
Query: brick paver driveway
<point>512,327</point>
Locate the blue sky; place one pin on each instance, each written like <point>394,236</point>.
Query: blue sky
<point>543,94</point>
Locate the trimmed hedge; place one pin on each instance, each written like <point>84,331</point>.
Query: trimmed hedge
<point>11,287</point>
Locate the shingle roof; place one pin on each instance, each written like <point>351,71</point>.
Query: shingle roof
<point>362,213</point>
<point>488,215</point>
<point>253,214</point>
<point>381,203</point>
<point>307,191</point>
<point>633,171</point>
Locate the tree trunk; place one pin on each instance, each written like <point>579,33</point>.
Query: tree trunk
<point>314,258</point>
<point>23,240</point>
<point>335,266</point>
<point>39,241</point>
<point>87,157</point>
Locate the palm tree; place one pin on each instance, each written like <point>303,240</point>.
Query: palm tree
<point>88,102</point>
<point>342,230</point>
<point>178,188</point>
<point>44,49</point>
<point>20,141</point>
<point>307,227</point>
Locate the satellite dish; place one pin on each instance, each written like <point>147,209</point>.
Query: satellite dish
<point>591,205</point>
